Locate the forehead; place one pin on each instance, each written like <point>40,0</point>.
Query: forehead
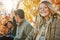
<point>8,23</point>
<point>42,5</point>
<point>16,15</point>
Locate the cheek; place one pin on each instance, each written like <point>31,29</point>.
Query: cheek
<point>9,24</point>
<point>46,11</point>
<point>16,18</point>
<point>40,11</point>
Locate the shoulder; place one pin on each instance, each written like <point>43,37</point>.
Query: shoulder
<point>56,21</point>
<point>27,24</point>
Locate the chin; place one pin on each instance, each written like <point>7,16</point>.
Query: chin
<point>16,22</point>
<point>43,15</point>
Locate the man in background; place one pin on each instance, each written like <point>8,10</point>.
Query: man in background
<point>23,27</point>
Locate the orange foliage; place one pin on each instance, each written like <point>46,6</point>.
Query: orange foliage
<point>30,9</point>
<point>36,2</point>
<point>55,1</point>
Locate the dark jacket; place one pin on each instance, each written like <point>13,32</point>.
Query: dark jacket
<point>15,26</point>
<point>10,33</point>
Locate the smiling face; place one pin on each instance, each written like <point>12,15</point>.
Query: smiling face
<point>18,19</point>
<point>9,25</point>
<point>44,10</point>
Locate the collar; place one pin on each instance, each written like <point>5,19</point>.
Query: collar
<point>21,22</point>
<point>49,19</point>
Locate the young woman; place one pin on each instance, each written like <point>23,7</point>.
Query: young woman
<point>48,23</point>
<point>49,20</point>
<point>10,33</point>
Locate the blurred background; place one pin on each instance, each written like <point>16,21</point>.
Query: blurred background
<point>30,7</point>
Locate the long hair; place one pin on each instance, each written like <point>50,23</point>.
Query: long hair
<point>41,18</point>
<point>42,21</point>
<point>12,25</point>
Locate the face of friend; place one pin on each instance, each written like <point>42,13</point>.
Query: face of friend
<point>9,25</point>
<point>17,18</point>
<point>44,10</point>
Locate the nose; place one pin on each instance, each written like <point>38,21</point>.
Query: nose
<point>42,9</point>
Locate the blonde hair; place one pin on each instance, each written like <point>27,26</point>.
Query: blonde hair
<point>50,9</point>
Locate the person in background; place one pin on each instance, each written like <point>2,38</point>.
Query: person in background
<point>23,27</point>
<point>3,32</point>
<point>10,33</point>
<point>15,25</point>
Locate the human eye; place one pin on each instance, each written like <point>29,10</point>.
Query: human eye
<point>40,8</point>
<point>46,7</point>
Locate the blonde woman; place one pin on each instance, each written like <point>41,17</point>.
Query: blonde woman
<point>48,23</point>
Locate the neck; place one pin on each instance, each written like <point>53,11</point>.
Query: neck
<point>46,17</point>
<point>20,20</point>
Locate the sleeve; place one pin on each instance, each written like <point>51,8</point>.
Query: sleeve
<point>32,35</point>
<point>26,31</point>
